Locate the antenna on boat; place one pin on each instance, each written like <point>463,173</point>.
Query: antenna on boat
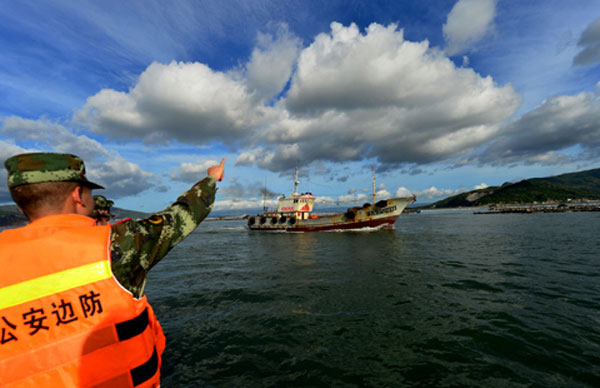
<point>373,172</point>
<point>265,196</point>
<point>296,182</point>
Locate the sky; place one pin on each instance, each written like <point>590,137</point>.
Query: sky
<point>437,97</point>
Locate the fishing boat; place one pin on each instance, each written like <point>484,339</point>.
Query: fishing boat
<point>295,214</point>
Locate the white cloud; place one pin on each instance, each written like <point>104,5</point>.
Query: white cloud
<point>375,94</point>
<point>429,193</point>
<point>244,204</point>
<point>46,133</point>
<point>353,96</point>
<point>272,62</point>
<point>468,22</point>
<point>188,102</point>
<point>403,192</point>
<point>356,199</point>
<point>559,123</point>
<point>192,172</point>
<point>120,177</point>
<point>382,194</point>
<point>6,151</point>
<point>480,186</point>
<point>433,192</point>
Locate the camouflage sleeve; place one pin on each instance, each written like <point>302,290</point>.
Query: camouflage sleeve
<point>138,245</point>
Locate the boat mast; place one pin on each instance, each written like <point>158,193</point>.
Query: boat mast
<point>265,197</point>
<point>373,171</point>
<point>296,182</point>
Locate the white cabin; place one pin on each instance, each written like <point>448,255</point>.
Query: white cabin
<point>300,205</point>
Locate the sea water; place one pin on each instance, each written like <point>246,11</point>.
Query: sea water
<point>445,299</point>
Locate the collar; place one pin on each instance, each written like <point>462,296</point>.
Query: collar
<point>65,220</point>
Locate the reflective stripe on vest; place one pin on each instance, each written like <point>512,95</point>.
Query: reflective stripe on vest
<point>64,320</point>
<point>53,284</point>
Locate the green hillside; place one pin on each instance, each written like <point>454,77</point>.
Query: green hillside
<point>560,188</point>
<point>585,180</point>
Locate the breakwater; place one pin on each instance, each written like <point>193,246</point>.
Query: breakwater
<point>543,208</point>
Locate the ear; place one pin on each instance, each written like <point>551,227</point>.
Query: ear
<point>77,195</point>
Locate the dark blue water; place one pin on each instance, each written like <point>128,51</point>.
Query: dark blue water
<point>445,299</point>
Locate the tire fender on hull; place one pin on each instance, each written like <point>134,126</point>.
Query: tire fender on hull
<point>382,203</point>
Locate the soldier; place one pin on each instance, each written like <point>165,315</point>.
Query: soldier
<point>72,308</point>
<point>101,211</point>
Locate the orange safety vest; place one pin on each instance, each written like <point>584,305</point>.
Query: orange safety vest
<point>65,321</point>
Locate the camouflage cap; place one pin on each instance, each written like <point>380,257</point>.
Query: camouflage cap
<point>102,206</point>
<point>41,167</point>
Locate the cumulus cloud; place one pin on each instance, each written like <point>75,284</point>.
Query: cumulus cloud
<point>590,45</point>
<point>43,133</point>
<point>6,151</point>
<point>251,204</point>
<point>403,192</point>
<point>352,96</point>
<point>468,22</point>
<point>191,103</point>
<point>350,198</point>
<point>119,176</point>
<point>382,194</point>
<point>429,193</point>
<point>538,136</point>
<point>181,101</point>
<point>271,63</point>
<point>192,172</point>
<point>433,193</point>
<point>375,94</point>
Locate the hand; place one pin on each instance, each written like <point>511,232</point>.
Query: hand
<point>217,172</point>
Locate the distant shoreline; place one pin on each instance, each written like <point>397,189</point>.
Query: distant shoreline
<point>488,209</point>
<point>543,208</point>
<point>13,221</point>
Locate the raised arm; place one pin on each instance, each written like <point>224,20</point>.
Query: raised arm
<point>138,245</point>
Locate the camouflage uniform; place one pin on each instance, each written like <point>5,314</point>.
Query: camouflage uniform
<point>135,245</point>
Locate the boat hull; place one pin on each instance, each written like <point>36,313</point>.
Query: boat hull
<point>382,215</point>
